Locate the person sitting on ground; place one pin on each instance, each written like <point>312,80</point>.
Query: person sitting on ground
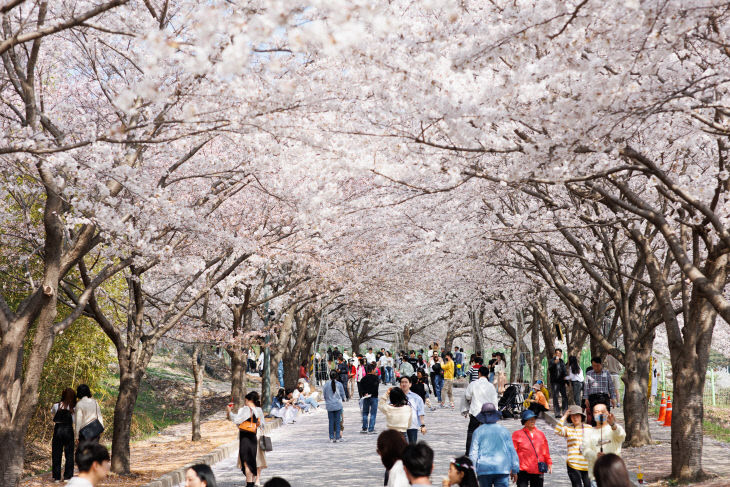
<point>277,404</point>
<point>574,432</point>
<point>93,462</point>
<point>538,402</point>
<point>200,475</point>
<point>418,463</point>
<point>461,473</point>
<point>533,450</point>
<point>390,447</point>
<point>492,450</point>
<point>277,482</point>
<point>301,399</point>
<point>610,471</point>
<point>394,406</point>
<point>606,437</point>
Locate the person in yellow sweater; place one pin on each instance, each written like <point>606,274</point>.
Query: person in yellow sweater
<point>577,463</point>
<point>448,380</point>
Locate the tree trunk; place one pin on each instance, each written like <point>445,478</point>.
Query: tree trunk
<point>129,382</point>
<point>238,375</point>
<point>535,363</point>
<point>689,368</point>
<point>635,401</point>
<point>476,318</point>
<point>11,456</point>
<point>513,362</point>
<point>198,391</point>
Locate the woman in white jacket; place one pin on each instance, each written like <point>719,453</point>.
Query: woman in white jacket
<point>394,405</point>
<point>86,411</point>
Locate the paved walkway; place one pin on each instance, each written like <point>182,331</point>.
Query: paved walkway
<point>305,457</point>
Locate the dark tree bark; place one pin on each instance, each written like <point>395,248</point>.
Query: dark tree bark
<point>198,368</point>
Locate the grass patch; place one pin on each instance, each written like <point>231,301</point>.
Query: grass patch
<point>716,431</point>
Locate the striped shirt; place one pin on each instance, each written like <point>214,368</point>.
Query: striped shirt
<point>576,460</point>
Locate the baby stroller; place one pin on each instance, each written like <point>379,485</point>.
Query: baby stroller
<point>510,404</point>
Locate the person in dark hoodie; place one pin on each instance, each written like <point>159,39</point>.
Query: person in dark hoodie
<point>369,390</point>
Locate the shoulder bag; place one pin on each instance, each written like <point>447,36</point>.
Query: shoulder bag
<point>93,429</point>
<point>249,425</point>
<point>542,467</point>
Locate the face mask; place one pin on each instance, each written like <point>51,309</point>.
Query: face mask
<point>301,389</point>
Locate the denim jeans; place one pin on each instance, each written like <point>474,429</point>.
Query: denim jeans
<point>369,408</point>
<point>280,373</point>
<point>412,436</point>
<point>311,402</point>
<point>494,480</point>
<point>389,377</point>
<point>577,392</point>
<point>335,419</point>
<point>438,384</point>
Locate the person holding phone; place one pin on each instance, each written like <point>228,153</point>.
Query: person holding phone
<point>606,437</point>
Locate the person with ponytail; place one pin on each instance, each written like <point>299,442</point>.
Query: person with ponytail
<point>334,394</point>
<point>63,435</point>
<point>461,473</point>
<point>248,419</point>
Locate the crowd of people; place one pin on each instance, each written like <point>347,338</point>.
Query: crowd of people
<point>492,457</point>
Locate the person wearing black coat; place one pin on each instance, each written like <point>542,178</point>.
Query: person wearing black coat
<point>369,393</point>
<point>558,372</point>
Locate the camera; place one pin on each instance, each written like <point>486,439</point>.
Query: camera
<point>601,418</point>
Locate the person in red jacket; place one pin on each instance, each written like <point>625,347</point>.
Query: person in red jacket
<point>532,448</point>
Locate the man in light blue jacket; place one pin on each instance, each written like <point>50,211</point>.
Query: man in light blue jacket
<point>492,450</point>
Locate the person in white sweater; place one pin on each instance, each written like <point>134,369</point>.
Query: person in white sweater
<point>85,412</point>
<point>606,437</point>
<point>394,405</point>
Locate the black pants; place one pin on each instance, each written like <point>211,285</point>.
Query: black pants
<point>578,478</point>
<point>532,479</point>
<point>473,425</point>
<point>537,408</point>
<point>555,389</point>
<point>62,442</point>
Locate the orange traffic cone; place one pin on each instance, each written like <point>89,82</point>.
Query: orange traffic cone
<point>662,409</point>
<point>668,419</point>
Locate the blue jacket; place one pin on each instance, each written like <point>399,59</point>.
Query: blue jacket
<point>492,451</point>
<point>333,400</point>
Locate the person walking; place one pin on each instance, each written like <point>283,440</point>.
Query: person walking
<point>606,437</point>
<point>449,369</point>
<point>200,475</point>
<point>473,372</point>
<point>574,431</point>
<point>461,473</point>
<point>459,362</point>
<point>86,413</point>
<point>394,406</point>
<point>63,435</point>
<point>533,451</point>
<point>477,394</point>
<point>390,447</point>
<point>500,372</point>
<point>343,374</point>
<point>416,404</point>
<point>248,419</point>
<point>492,449</point>
<point>575,378</point>
<point>558,372</point>
<point>369,388</point>
<point>93,462</point>
<point>419,385</point>
<point>437,377</point>
<point>598,387</point>
<point>334,393</point>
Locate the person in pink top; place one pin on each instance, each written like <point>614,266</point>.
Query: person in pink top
<point>533,452</point>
